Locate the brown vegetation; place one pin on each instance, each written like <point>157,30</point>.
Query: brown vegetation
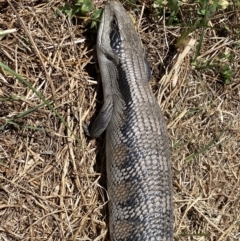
<point>50,172</point>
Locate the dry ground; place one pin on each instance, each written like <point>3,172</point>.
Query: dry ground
<point>50,187</point>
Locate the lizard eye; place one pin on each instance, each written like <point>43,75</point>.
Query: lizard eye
<point>109,57</point>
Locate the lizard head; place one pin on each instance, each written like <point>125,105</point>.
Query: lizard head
<point>116,33</point>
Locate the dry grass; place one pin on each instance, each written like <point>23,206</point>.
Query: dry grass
<point>49,179</point>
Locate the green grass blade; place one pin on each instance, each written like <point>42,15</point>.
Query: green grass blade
<point>205,148</point>
<point>41,97</point>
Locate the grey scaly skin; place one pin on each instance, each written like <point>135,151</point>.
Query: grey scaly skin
<point>137,150</point>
